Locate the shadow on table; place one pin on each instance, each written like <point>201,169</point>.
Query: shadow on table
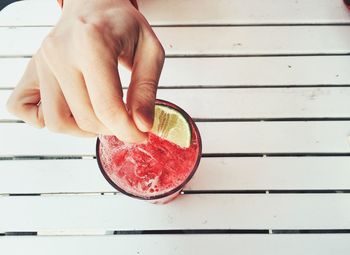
<point>4,3</point>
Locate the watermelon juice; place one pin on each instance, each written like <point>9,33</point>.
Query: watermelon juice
<point>155,170</point>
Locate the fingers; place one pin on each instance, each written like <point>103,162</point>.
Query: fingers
<point>24,101</point>
<point>57,115</point>
<point>74,90</point>
<point>148,64</point>
<point>86,98</point>
<point>103,84</point>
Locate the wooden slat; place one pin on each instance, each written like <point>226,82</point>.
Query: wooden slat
<point>254,40</point>
<point>240,71</point>
<point>118,212</point>
<point>239,12</point>
<point>20,139</point>
<point>179,244</point>
<point>51,176</point>
<point>182,12</point>
<point>178,41</point>
<point>218,137</point>
<point>252,103</point>
<point>292,173</point>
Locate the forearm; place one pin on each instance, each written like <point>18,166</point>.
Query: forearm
<point>134,3</point>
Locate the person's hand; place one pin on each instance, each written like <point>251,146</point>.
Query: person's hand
<point>72,84</point>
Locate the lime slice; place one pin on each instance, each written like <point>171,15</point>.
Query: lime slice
<point>171,125</point>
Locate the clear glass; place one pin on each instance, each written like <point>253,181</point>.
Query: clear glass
<point>155,171</point>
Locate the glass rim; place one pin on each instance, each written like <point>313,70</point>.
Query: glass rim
<point>175,189</point>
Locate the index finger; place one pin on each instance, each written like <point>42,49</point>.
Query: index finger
<point>104,88</point>
<point>146,70</point>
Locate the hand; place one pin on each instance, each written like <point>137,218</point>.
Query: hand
<point>72,84</point>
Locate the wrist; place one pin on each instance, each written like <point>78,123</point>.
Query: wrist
<point>133,2</point>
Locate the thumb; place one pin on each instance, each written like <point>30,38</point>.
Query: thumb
<point>147,66</point>
<point>24,101</point>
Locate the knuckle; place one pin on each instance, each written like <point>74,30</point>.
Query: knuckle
<point>92,33</point>
<point>92,28</point>
<point>158,49</point>
<point>50,48</point>
<point>49,44</point>
<point>161,51</point>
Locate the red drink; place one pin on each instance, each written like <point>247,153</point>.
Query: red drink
<point>347,2</point>
<point>156,170</point>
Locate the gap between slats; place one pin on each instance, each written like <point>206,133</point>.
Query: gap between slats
<point>232,55</point>
<point>61,233</point>
<point>212,25</point>
<point>190,192</point>
<point>204,155</point>
<point>203,87</point>
<point>305,119</point>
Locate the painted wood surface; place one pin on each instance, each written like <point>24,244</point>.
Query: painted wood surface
<point>227,72</point>
<point>249,103</point>
<point>205,211</point>
<point>211,41</point>
<point>218,137</point>
<point>275,60</point>
<point>306,244</point>
<point>213,174</point>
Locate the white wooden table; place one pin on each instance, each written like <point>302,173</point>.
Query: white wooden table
<point>268,82</point>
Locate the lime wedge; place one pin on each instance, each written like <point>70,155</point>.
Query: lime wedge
<point>171,125</point>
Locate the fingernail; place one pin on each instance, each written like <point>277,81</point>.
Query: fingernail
<point>144,117</point>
